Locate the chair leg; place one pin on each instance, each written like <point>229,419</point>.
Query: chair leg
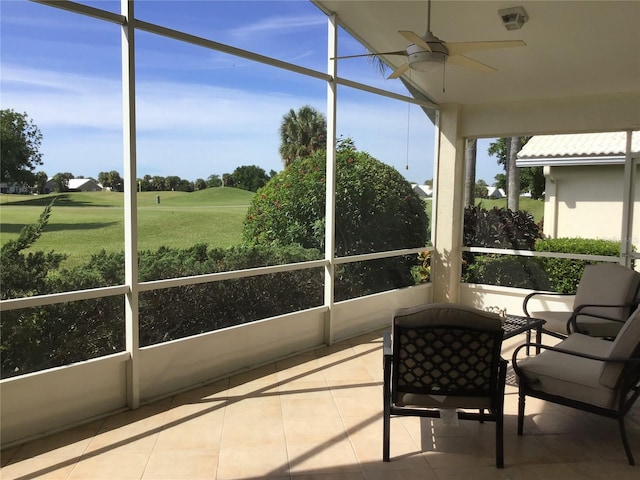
<point>500,439</point>
<point>625,441</point>
<point>386,434</point>
<point>521,402</point>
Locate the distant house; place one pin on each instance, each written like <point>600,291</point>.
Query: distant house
<point>584,182</point>
<point>75,185</point>
<point>494,192</point>
<point>423,191</point>
<point>14,188</point>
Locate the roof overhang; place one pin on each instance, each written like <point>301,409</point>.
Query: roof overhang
<point>579,70</point>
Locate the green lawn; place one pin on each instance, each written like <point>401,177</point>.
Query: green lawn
<point>534,207</point>
<point>84,223</point>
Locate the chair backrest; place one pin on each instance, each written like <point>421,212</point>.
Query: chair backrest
<point>626,345</point>
<point>446,349</point>
<point>607,284</point>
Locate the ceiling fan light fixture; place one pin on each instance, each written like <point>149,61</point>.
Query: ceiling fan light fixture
<point>513,18</point>
<point>422,61</point>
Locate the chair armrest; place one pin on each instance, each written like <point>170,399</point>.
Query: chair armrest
<point>572,323</point>
<point>533,294</point>
<point>514,358</point>
<point>386,344</point>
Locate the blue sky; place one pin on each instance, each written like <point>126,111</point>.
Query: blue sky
<point>199,112</point>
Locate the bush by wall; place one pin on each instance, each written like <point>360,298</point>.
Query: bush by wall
<point>564,274</point>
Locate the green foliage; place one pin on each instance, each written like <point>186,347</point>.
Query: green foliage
<point>24,274</point>
<point>481,189</point>
<point>500,228</point>
<point>43,337</point>
<point>111,180</point>
<point>564,274</point>
<point>250,177</point>
<point>531,178</point>
<point>20,141</point>
<point>302,133</point>
<point>508,271</point>
<point>376,210</point>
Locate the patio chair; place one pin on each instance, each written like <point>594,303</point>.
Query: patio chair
<point>604,299</point>
<point>586,373</point>
<point>444,357</point>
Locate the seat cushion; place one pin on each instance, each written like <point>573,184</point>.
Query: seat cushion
<point>610,284</point>
<point>626,343</point>
<point>555,321</point>
<point>569,376</point>
<point>441,401</point>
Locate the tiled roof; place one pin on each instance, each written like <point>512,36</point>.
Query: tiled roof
<point>579,145</point>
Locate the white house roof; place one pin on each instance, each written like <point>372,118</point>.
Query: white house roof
<point>76,183</point>
<point>577,149</point>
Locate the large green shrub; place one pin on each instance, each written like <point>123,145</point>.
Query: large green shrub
<point>37,338</point>
<point>376,210</point>
<point>501,228</point>
<point>508,271</point>
<point>564,274</point>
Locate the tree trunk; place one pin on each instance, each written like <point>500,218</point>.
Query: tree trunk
<point>513,176</point>
<point>470,149</point>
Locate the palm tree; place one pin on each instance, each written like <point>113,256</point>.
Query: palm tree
<point>302,133</point>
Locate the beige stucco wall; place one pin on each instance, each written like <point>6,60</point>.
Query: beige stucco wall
<point>586,202</point>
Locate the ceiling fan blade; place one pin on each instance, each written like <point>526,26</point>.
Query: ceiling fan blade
<point>415,38</point>
<point>467,62</point>
<point>397,52</point>
<point>398,71</point>
<point>456,48</point>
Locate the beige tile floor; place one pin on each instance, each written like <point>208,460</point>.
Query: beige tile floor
<point>318,416</point>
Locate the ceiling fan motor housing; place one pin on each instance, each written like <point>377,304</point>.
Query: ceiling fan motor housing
<point>421,60</point>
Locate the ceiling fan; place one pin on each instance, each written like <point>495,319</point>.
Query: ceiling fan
<point>427,50</point>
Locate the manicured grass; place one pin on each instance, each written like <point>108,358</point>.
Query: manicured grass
<point>82,224</point>
<point>534,207</point>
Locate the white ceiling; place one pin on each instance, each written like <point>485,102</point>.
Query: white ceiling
<point>574,48</point>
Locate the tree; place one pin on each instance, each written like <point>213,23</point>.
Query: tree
<point>171,183</point>
<point>19,147</point>
<point>531,179</point>
<point>513,176</point>
<point>250,177</point>
<point>144,184</point>
<point>302,133</point>
<point>481,189</point>
<point>157,183</point>
<point>228,180</point>
<point>111,180</point>
<point>61,181</point>
<point>376,210</point>
<point>40,179</point>
<point>199,184</point>
<point>214,181</point>
<point>470,150</point>
<point>21,274</point>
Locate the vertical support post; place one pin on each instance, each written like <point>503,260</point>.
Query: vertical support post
<point>626,245</point>
<point>130,203</point>
<point>447,259</point>
<point>330,192</point>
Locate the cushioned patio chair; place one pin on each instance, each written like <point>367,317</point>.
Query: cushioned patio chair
<point>586,373</point>
<point>604,299</point>
<point>444,357</point>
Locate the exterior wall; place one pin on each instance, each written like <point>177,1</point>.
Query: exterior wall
<point>38,404</point>
<point>584,201</point>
